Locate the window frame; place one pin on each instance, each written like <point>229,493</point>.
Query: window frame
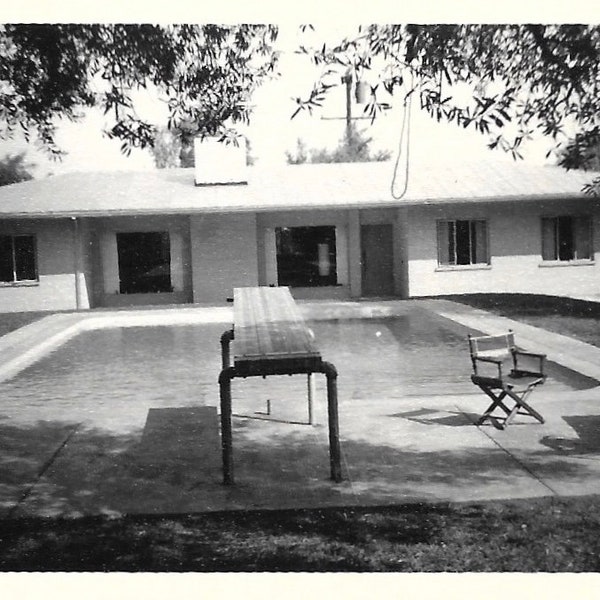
<point>556,251</point>
<point>451,266</point>
<point>22,282</point>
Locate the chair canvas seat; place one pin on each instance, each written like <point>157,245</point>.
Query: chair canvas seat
<point>518,383</point>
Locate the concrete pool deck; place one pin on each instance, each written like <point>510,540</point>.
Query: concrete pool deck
<point>422,448</point>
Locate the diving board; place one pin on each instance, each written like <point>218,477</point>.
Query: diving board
<point>270,337</point>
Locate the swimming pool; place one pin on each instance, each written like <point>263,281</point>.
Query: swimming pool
<point>112,377</point>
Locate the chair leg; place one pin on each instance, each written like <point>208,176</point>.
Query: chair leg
<point>521,403</point>
<point>511,414</point>
<point>496,402</point>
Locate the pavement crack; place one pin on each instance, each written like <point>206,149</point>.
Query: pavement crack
<point>516,459</point>
<point>42,471</point>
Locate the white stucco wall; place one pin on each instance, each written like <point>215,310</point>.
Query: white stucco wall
<point>55,249</point>
<point>212,254</point>
<point>224,255</point>
<point>515,247</point>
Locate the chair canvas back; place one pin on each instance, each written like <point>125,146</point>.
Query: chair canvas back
<point>491,346</point>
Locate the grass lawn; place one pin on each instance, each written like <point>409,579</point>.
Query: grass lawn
<point>11,321</point>
<point>576,318</point>
<point>546,535</point>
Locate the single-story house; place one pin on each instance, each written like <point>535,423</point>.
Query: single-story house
<point>112,239</point>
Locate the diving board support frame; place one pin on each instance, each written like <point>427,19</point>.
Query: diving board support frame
<point>229,372</point>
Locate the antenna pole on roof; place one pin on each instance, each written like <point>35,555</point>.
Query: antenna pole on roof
<point>348,79</point>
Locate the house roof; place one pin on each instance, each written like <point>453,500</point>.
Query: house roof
<point>350,185</point>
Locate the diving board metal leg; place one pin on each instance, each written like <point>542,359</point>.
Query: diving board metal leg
<point>225,348</point>
<point>225,378</point>
<point>226,431</point>
<point>310,384</point>
<point>335,454</point>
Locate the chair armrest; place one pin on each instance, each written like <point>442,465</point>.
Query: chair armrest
<point>525,353</point>
<point>540,357</point>
<point>489,359</point>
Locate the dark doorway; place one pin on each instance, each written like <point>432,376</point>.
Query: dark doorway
<point>377,243</point>
<point>144,262</point>
<point>306,256</point>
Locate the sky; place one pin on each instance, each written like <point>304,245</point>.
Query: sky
<point>272,132</point>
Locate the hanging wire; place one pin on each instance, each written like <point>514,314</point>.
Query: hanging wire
<point>404,134</point>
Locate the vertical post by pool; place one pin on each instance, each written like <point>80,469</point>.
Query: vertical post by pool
<point>226,433</point>
<point>225,353</point>
<point>334,431</point>
<point>310,382</point>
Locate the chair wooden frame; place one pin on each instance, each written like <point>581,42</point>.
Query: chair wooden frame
<point>505,386</point>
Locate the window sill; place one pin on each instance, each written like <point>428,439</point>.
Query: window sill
<point>14,284</point>
<point>313,287</point>
<point>566,263</point>
<point>159,293</point>
<point>481,267</point>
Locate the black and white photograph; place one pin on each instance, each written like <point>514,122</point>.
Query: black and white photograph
<point>309,297</point>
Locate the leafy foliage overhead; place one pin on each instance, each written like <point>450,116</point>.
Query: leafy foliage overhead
<point>583,152</point>
<point>204,73</point>
<point>518,79</point>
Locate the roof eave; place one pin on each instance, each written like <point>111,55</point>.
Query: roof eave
<point>380,204</point>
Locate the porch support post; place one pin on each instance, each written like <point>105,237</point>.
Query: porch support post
<point>110,262</point>
<point>354,254</point>
<point>176,265</point>
<point>76,261</point>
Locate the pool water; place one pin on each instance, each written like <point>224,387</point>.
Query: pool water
<point>114,376</point>
<point>417,354</point>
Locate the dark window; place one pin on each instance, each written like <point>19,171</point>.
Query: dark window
<point>567,238</point>
<point>462,242</point>
<point>306,256</point>
<point>144,262</point>
<point>17,258</point>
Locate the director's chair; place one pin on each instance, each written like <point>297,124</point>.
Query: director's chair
<point>507,375</point>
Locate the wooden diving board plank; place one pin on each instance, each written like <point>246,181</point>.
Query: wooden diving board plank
<point>269,329</point>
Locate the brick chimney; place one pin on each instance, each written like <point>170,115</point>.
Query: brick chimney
<point>218,163</point>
